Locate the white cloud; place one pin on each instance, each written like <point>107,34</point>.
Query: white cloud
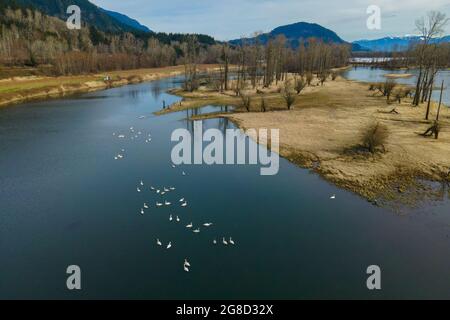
<point>232,18</point>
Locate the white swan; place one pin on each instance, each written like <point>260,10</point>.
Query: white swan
<point>158,191</point>
<point>224,241</point>
<point>186,263</point>
<point>145,206</point>
<point>196,230</point>
<point>215,241</point>
<point>163,193</point>
<point>167,203</point>
<point>231,241</point>
<point>170,218</point>
<point>190,225</point>
<point>158,204</point>
<point>172,189</point>
<point>178,219</point>
<point>166,190</point>
<point>173,166</point>
<point>159,243</point>
<point>182,200</point>
<point>152,188</point>
<point>183,173</point>
<point>142,211</point>
<point>333,197</point>
<point>209,224</point>
<point>186,268</point>
<point>169,245</point>
<point>138,190</point>
<point>142,183</point>
<point>184,204</point>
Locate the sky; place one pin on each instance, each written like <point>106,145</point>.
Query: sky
<point>231,19</point>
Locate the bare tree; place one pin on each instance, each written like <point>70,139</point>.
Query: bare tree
<point>429,27</point>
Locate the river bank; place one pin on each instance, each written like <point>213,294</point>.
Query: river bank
<point>324,129</point>
<point>20,89</point>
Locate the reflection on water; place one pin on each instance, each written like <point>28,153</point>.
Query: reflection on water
<point>65,200</point>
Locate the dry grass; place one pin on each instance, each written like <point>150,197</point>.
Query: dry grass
<point>21,88</point>
<point>325,122</point>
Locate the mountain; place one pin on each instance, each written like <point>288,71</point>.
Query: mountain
<point>126,20</point>
<point>295,32</point>
<point>103,20</point>
<point>391,44</point>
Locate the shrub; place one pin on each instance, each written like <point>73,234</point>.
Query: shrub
<point>299,84</point>
<point>263,105</point>
<point>388,87</point>
<point>309,78</point>
<point>374,137</point>
<point>246,102</point>
<point>288,95</point>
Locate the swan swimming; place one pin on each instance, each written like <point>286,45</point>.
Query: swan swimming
<point>142,211</point>
<point>186,263</point>
<point>145,206</point>
<point>186,268</point>
<point>231,241</point>
<point>158,204</point>
<point>170,218</point>
<point>224,241</point>
<point>333,197</point>
<point>178,219</point>
<point>169,245</point>
<point>196,230</point>
<point>159,243</point>
<point>142,183</point>
<point>183,173</point>
<point>138,190</point>
<point>184,204</point>
<point>182,200</point>
<point>190,225</point>
<point>166,190</point>
<point>172,189</point>
<point>215,241</point>
<point>152,188</point>
<point>167,203</point>
<point>209,224</point>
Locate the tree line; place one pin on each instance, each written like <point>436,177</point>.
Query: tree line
<point>30,38</point>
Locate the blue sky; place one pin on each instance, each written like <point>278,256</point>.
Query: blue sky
<point>230,19</point>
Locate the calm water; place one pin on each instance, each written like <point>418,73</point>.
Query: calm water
<point>64,200</point>
<point>377,75</point>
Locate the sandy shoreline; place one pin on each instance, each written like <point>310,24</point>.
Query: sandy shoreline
<point>323,132</point>
<point>22,89</point>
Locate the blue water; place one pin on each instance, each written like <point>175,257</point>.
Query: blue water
<point>64,201</point>
<point>368,74</point>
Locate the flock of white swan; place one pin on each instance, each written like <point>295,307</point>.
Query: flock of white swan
<point>226,241</point>
<point>162,191</point>
<point>176,218</point>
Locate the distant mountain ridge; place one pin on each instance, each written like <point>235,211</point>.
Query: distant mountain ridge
<point>392,44</point>
<point>298,32</point>
<point>91,14</point>
<point>126,20</point>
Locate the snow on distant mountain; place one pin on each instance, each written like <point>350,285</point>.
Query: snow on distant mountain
<point>392,44</point>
